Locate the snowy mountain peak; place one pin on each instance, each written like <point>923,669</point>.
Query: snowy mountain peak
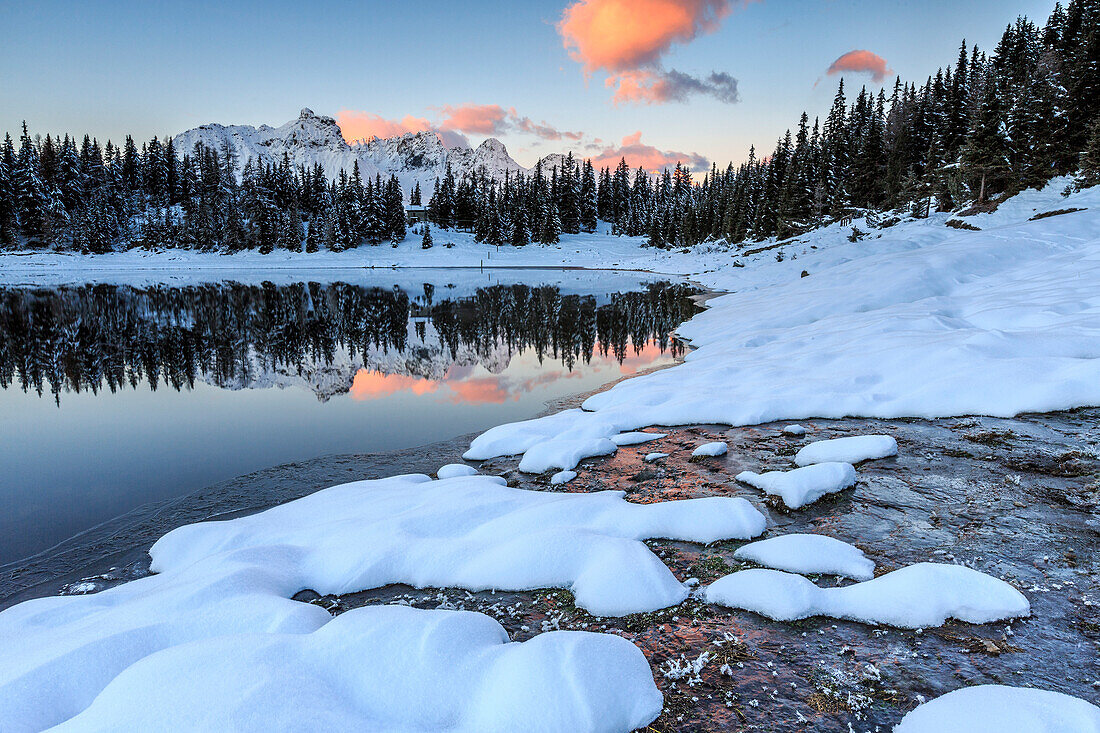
<point>414,157</point>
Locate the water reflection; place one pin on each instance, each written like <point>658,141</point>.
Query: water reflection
<point>333,338</point>
<point>115,397</point>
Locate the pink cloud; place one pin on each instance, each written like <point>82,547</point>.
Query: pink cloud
<point>622,35</point>
<point>862,62</point>
<point>477,119</point>
<point>627,38</point>
<point>638,154</point>
<point>357,125</point>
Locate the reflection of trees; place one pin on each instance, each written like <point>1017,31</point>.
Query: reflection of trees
<point>94,336</point>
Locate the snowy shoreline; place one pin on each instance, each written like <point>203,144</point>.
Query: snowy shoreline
<point>922,321</point>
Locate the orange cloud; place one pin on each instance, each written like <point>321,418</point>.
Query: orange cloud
<point>357,126</point>
<point>368,385</point>
<point>861,61</point>
<point>478,119</point>
<point>638,154</point>
<point>622,35</point>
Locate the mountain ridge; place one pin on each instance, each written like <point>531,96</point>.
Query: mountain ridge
<point>414,157</point>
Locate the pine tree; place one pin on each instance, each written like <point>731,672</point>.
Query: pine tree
<point>426,239</point>
<point>1090,158</point>
<point>985,157</point>
<point>8,221</point>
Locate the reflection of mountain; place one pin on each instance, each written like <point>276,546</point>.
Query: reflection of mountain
<point>422,359</point>
<point>308,335</point>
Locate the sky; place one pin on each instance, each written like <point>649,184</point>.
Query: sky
<point>657,80</point>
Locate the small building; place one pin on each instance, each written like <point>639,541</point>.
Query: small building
<point>416,214</point>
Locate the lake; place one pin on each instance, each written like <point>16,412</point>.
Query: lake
<point>114,395</point>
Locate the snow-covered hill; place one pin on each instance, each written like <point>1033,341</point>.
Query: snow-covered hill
<point>415,157</point>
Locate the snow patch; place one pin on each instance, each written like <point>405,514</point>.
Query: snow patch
<point>454,470</point>
<point>805,485</point>
<point>562,477</point>
<point>636,438</point>
<point>855,449</point>
<point>999,708</point>
<point>809,554</point>
<point>710,450</point>
<point>236,577</point>
<point>794,430</point>
<point>921,595</point>
<point>384,668</point>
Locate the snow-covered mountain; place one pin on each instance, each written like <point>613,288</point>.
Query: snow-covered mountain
<point>415,157</point>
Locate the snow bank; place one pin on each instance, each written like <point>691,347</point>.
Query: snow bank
<point>710,450</point>
<point>998,708</point>
<point>562,477</point>
<point>802,486</point>
<point>925,321</point>
<point>236,577</point>
<point>636,438</point>
<point>809,553</point>
<point>855,449</point>
<point>925,594</point>
<point>384,668</point>
<point>454,470</point>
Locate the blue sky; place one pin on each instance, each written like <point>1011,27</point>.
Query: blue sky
<point>113,67</point>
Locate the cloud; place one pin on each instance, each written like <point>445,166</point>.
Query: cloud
<point>364,125</point>
<point>623,35</point>
<point>638,154</point>
<point>474,119</point>
<point>861,61</point>
<point>627,38</point>
<point>542,129</point>
<point>660,86</point>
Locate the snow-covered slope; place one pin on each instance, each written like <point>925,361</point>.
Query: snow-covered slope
<point>415,157</point>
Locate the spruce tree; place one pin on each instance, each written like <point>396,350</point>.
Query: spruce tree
<point>426,238</point>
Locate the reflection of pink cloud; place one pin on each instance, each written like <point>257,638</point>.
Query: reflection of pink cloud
<point>368,385</point>
<point>634,363</point>
<point>860,61</point>
<point>480,391</point>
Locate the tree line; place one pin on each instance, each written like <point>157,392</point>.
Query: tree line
<point>987,125</point>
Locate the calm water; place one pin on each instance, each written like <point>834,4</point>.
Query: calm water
<point>114,396</point>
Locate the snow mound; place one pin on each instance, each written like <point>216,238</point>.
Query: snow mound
<point>809,553</point>
<point>651,457</point>
<point>556,441</point>
<point>384,668</point>
<point>805,485</point>
<point>855,449</point>
<point>562,477</point>
<point>454,470</point>
<point>636,438</point>
<point>710,450</point>
<point>999,708</point>
<point>237,576</point>
<point>794,430</point>
<point>925,594</point>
